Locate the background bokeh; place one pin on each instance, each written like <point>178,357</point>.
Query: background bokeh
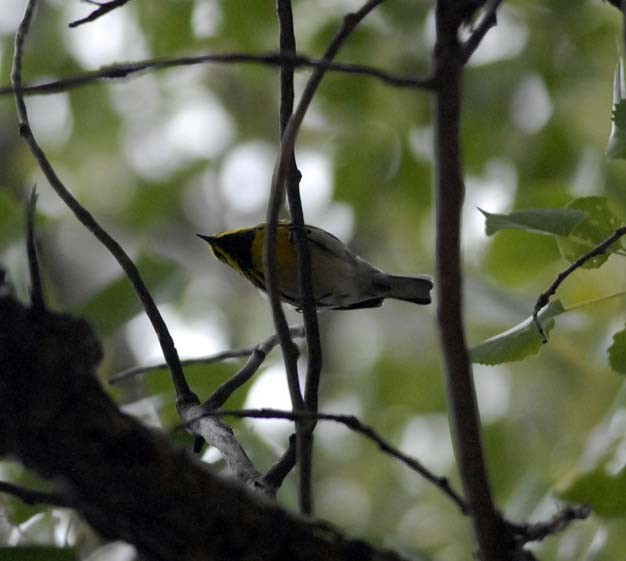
<point>159,157</point>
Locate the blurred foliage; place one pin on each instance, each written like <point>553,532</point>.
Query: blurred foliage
<point>153,158</point>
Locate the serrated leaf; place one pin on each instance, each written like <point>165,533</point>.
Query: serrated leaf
<point>117,302</point>
<point>604,492</point>
<point>617,352</point>
<point>558,221</point>
<point>600,223</point>
<point>518,342</point>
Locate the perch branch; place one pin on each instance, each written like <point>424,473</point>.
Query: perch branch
<point>290,133</point>
<point>305,284</point>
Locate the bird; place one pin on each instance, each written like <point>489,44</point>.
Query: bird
<point>341,279</point>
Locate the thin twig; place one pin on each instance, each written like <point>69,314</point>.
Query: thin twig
<point>544,298</point>
<point>210,359</point>
<point>257,356</point>
<point>290,133</point>
<point>280,470</point>
<point>266,345</point>
<point>103,8</point>
<point>120,71</point>
<point>538,531</point>
<point>31,497</point>
<point>37,299</point>
<point>130,269</point>
<point>488,21</point>
<point>354,424</point>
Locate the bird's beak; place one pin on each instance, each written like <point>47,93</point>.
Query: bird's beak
<point>209,239</point>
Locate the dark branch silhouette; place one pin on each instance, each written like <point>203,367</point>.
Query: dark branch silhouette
<point>354,424</point>
<point>36,288</point>
<point>130,269</point>
<point>121,71</point>
<point>32,497</point>
<point>102,9</point>
<point>544,298</point>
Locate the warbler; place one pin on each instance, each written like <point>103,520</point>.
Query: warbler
<point>341,279</point>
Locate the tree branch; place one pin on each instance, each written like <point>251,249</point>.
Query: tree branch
<point>488,20</point>
<point>36,288</point>
<point>130,269</point>
<point>219,434</point>
<point>538,531</point>
<point>278,184</point>
<point>103,8</point>
<point>120,71</point>
<point>264,347</point>
<point>493,541</point>
<point>126,480</point>
<point>31,497</point>
<point>544,298</point>
<point>257,357</point>
<point>354,424</point>
<point>305,284</point>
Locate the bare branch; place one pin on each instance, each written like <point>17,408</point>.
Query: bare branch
<point>488,21</point>
<point>121,71</point>
<point>354,424</point>
<point>276,195</point>
<point>305,284</point>
<point>265,346</point>
<point>538,531</point>
<point>219,434</point>
<point>103,8</point>
<point>494,542</point>
<point>129,482</point>
<point>36,288</point>
<point>257,357</point>
<point>544,298</point>
<point>31,497</point>
<point>130,269</point>
<point>277,473</point>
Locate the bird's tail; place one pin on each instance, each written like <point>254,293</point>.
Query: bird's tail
<point>411,289</point>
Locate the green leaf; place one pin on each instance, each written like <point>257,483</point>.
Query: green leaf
<point>558,222</point>
<point>37,553</point>
<point>117,302</point>
<point>600,223</point>
<point>518,342</point>
<point>604,492</point>
<point>617,352</point>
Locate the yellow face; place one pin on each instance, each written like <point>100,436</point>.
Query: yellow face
<point>243,249</point>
